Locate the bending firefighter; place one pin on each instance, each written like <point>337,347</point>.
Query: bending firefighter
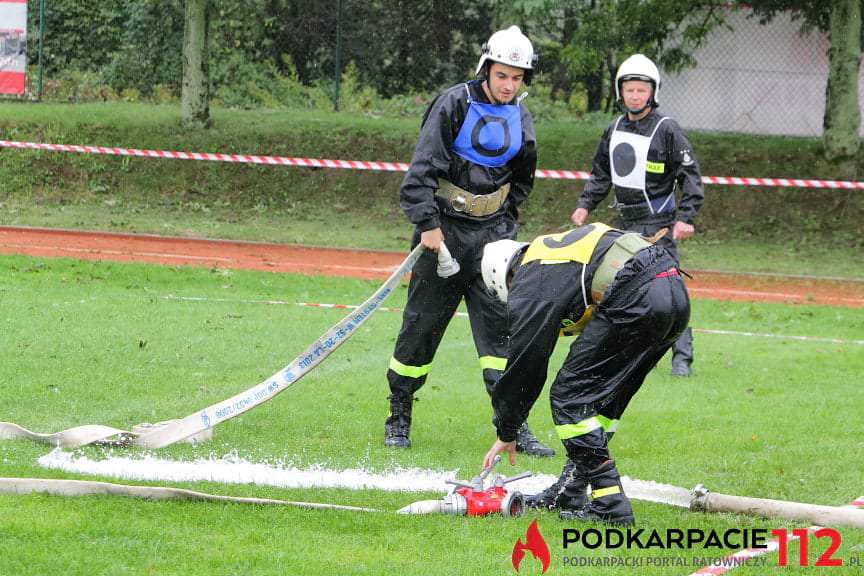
<point>626,296</point>
<point>642,156</point>
<point>473,166</point>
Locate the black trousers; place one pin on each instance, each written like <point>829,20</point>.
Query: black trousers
<point>682,350</point>
<point>629,332</point>
<point>432,302</point>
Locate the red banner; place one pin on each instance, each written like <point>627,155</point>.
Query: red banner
<point>13,46</point>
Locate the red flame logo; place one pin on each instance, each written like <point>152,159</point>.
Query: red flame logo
<point>535,544</point>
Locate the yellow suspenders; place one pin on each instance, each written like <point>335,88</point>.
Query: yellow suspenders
<point>578,246</point>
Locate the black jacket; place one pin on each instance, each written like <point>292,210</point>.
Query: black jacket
<point>433,160</point>
<point>669,146</point>
<point>541,296</point>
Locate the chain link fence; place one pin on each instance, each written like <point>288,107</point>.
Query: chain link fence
<point>756,79</point>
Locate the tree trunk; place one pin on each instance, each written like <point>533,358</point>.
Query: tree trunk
<point>195,100</point>
<point>594,89</point>
<point>842,115</point>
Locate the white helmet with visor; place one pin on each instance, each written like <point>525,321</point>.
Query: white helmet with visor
<point>639,67</point>
<point>509,47</point>
<point>496,263</point>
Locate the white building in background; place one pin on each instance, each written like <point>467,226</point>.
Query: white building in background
<point>756,79</point>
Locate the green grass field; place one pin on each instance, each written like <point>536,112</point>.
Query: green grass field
<point>88,343</point>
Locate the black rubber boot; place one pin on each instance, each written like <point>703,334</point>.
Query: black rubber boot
<point>608,501</point>
<point>568,493</point>
<point>527,443</point>
<point>397,427</point>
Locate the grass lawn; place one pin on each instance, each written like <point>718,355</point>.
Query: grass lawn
<point>105,343</point>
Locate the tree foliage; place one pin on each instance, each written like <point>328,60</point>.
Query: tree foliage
<point>398,46</point>
<point>583,41</point>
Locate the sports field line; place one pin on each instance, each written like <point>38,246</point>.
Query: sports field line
<point>780,275</point>
<point>180,258</point>
<point>465,315</point>
<point>789,296</point>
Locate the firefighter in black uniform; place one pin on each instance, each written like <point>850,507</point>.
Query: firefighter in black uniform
<point>642,155</point>
<point>626,297</point>
<point>473,165</point>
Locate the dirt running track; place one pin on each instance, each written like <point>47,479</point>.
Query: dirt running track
<point>370,264</point>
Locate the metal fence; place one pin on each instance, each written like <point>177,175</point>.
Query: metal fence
<point>754,78</point>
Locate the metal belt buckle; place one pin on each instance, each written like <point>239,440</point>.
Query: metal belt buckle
<point>459,203</point>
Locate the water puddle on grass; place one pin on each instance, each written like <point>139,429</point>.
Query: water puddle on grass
<point>232,469</point>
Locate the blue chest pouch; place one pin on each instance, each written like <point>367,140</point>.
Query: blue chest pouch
<point>491,134</point>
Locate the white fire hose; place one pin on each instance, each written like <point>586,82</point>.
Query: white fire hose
<point>24,486</point>
<point>203,421</point>
<point>698,500</point>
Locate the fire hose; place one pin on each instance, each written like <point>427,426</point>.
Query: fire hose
<point>197,424</point>
<point>475,499</point>
<point>25,486</point>
<point>472,499</point>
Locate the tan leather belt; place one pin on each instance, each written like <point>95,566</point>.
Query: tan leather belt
<point>473,204</point>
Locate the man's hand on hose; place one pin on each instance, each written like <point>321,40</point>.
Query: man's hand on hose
<point>432,239</point>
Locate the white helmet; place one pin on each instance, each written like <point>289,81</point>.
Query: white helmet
<point>509,47</point>
<point>639,67</point>
<point>495,264</point>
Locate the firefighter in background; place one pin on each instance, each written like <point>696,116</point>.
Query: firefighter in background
<point>473,166</point>
<point>642,156</point>
<point>626,297</point>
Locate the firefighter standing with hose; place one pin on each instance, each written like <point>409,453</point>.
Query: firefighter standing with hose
<point>473,166</point>
<point>626,297</point>
<point>642,156</point>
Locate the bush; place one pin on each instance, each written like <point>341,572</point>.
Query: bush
<point>240,83</point>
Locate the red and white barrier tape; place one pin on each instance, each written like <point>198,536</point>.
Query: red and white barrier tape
<point>395,166</point>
